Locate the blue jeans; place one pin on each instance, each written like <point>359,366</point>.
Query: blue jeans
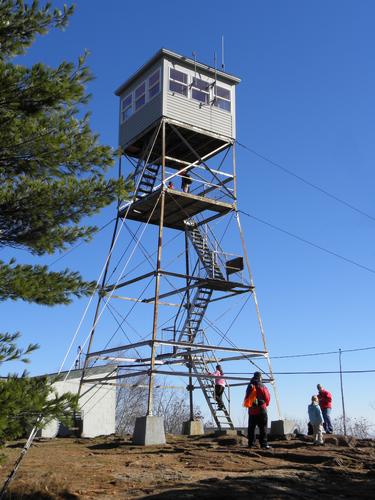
<point>327,420</point>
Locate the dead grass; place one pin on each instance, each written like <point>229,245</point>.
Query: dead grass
<point>202,467</point>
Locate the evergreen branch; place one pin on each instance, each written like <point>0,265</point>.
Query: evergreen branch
<point>37,284</point>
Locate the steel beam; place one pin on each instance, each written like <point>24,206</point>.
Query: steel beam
<point>125,347</point>
<point>174,374</point>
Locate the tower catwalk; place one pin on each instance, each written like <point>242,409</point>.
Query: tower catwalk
<point>177,136</point>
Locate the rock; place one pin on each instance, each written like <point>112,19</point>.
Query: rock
<point>348,441</point>
<point>331,440</point>
<point>231,441</point>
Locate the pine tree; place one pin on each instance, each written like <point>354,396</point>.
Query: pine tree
<point>53,172</point>
<point>52,167</point>
<point>26,401</point>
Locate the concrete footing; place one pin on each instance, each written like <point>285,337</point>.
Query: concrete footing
<point>282,427</point>
<point>149,430</point>
<point>193,428</point>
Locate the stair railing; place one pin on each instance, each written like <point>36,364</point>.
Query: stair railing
<point>209,246</point>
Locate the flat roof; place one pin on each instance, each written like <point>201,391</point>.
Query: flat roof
<point>179,58</point>
<point>77,373</point>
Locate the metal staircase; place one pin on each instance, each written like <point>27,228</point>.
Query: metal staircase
<point>193,320</point>
<point>147,180</point>
<point>219,413</point>
<point>205,253</point>
<point>195,314</point>
<point>203,294</point>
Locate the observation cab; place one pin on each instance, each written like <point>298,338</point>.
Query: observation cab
<point>177,118</point>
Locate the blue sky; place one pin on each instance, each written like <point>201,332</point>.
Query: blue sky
<point>306,101</point>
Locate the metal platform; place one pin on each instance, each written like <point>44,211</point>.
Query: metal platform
<point>183,354</point>
<point>179,206</point>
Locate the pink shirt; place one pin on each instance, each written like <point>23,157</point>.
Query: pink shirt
<point>219,379</point>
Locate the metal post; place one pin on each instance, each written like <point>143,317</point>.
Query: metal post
<point>342,395</point>
<point>260,322</point>
<point>234,171</point>
<point>157,282</point>
<point>191,402</point>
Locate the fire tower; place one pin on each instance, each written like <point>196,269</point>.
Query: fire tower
<point>177,135</point>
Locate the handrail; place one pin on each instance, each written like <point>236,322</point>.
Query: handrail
<point>210,246</point>
<point>181,305</point>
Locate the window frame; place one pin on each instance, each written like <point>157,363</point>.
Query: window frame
<point>144,94</point>
<point>212,98</point>
<point>158,82</point>
<point>186,85</point>
<point>206,92</point>
<point>217,98</point>
<point>125,108</point>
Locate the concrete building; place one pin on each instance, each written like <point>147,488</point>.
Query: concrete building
<point>97,402</point>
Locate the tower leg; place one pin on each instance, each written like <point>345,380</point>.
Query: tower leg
<point>149,430</point>
<point>157,284</point>
<point>192,428</point>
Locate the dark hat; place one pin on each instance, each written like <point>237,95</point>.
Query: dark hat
<point>257,376</point>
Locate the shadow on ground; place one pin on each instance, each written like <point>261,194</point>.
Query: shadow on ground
<point>302,486</point>
<point>40,495</point>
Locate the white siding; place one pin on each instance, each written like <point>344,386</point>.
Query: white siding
<point>206,117</point>
<point>146,115</point>
<point>189,111</point>
<point>141,120</point>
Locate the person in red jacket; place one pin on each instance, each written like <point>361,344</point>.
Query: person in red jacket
<point>258,411</point>
<point>325,403</point>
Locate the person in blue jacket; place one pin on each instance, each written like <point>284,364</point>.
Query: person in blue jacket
<point>316,420</point>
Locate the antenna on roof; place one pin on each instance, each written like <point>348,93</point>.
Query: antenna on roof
<point>195,64</point>
<point>215,81</point>
<point>222,53</point>
<point>215,65</point>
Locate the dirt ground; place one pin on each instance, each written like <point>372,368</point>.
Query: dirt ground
<point>196,467</point>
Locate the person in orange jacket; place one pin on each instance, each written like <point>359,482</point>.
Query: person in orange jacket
<point>258,411</point>
<point>325,403</point>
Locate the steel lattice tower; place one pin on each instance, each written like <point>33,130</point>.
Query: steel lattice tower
<point>177,125</point>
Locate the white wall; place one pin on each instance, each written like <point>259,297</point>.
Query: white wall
<point>97,405</point>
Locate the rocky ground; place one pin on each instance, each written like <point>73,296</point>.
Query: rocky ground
<point>188,468</point>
